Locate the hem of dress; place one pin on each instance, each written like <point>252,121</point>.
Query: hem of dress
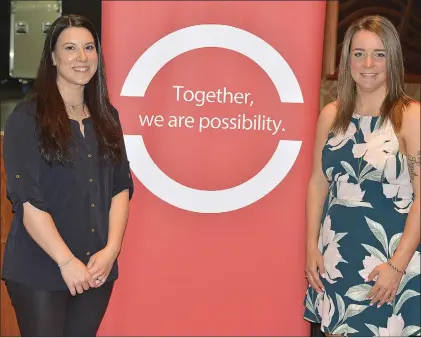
<point>314,322</point>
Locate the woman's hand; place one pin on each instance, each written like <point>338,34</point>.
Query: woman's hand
<point>386,286</point>
<point>77,277</point>
<point>100,265</point>
<point>314,266</point>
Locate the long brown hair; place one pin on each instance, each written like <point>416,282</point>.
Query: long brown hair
<point>396,100</point>
<point>52,123</point>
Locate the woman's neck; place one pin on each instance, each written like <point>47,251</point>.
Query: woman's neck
<point>73,101</point>
<point>72,94</point>
<point>369,103</point>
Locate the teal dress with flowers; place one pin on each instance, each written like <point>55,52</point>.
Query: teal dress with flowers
<point>370,195</point>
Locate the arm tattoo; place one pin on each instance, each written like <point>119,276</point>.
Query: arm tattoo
<point>413,162</point>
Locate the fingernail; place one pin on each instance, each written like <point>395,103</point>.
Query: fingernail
<point>323,290</point>
<point>371,304</point>
<point>323,275</point>
<point>378,306</point>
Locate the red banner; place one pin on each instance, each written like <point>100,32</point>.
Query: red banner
<point>218,102</point>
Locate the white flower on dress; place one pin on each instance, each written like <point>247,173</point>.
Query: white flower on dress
<point>395,325</point>
<point>377,143</point>
<point>331,256</point>
<point>348,191</point>
<point>391,174</point>
<point>398,186</point>
<point>369,262</point>
<point>326,309</point>
<point>327,234</point>
<point>414,264</point>
<point>339,140</point>
<point>395,328</point>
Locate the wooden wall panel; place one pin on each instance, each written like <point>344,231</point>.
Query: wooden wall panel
<point>9,327</point>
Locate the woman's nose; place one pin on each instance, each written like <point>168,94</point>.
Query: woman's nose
<point>81,56</point>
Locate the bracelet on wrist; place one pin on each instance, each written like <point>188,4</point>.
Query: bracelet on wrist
<point>403,272</point>
<point>66,262</point>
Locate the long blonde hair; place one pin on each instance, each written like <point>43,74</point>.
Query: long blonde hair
<point>396,100</point>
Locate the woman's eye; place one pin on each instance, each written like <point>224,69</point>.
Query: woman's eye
<point>90,47</point>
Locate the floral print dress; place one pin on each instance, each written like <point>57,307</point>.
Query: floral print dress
<point>370,195</point>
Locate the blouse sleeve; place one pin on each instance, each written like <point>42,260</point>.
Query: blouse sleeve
<point>122,176</point>
<point>21,158</point>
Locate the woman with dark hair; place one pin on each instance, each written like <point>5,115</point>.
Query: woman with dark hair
<point>363,197</point>
<point>69,181</point>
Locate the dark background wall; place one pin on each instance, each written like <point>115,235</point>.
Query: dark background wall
<point>4,38</point>
<point>89,8</point>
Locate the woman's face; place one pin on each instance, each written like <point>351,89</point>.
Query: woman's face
<point>368,61</point>
<point>75,56</point>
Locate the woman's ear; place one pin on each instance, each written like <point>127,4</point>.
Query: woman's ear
<point>54,59</point>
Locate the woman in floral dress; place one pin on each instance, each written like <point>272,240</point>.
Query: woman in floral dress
<point>363,199</point>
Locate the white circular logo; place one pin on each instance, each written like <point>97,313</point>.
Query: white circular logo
<point>283,78</point>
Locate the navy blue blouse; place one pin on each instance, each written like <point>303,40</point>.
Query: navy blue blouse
<point>78,197</point>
